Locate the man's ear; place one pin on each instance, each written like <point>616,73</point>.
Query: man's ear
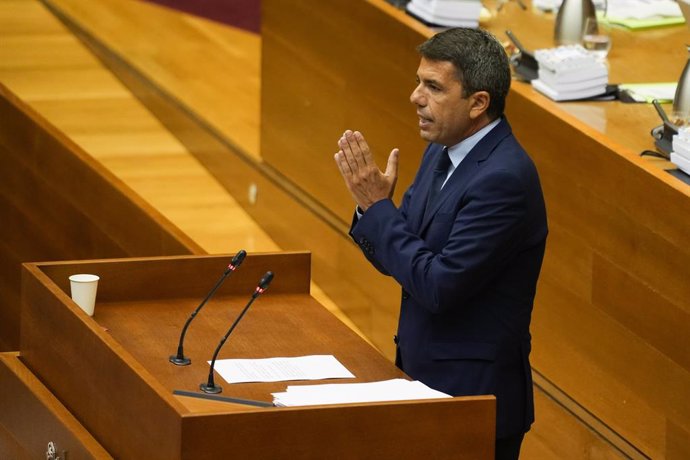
<point>479,103</point>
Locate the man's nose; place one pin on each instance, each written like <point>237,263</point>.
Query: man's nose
<point>416,97</point>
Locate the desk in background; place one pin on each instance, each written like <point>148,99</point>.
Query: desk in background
<point>612,316</point>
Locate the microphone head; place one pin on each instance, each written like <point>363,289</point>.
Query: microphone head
<point>237,260</point>
<point>264,282</point>
<point>239,257</point>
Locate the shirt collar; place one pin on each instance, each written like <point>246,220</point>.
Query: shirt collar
<point>458,152</point>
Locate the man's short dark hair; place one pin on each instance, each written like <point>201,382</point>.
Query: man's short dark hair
<point>480,60</point>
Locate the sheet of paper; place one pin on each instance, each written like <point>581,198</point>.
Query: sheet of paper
<point>314,367</point>
<point>339,393</point>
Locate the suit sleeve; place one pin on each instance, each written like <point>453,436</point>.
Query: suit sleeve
<point>364,245</point>
<point>483,232</point>
<point>367,250</point>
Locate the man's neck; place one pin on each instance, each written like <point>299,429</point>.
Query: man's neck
<point>478,124</point>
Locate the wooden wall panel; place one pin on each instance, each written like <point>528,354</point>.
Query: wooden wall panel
<point>58,203</point>
<point>624,322</point>
<point>677,442</point>
<point>428,429</point>
<point>10,448</point>
<point>557,434</point>
<point>23,192</point>
<point>597,363</point>
<point>643,310</point>
<point>319,86</point>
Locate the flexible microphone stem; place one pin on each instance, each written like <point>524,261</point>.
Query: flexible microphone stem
<point>180,359</point>
<point>210,386</point>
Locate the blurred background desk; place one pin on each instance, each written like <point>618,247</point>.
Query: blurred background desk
<point>612,317</point>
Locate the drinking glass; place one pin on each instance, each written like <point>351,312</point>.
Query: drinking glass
<point>596,37</point>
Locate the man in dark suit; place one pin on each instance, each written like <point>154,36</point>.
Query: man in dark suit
<point>468,240</point>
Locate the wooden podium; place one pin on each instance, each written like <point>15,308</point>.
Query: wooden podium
<point>111,371</point>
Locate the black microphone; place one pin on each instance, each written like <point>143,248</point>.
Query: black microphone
<point>180,359</point>
<point>210,386</point>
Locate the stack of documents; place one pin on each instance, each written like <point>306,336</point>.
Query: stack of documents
<point>569,72</point>
<point>680,156</point>
<point>340,393</point>
<point>447,13</point>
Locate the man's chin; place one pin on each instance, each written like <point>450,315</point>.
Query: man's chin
<point>426,135</point>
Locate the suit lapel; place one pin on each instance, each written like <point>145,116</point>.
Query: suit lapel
<point>463,174</point>
<point>422,187</point>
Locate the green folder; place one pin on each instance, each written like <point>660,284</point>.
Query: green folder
<point>649,23</point>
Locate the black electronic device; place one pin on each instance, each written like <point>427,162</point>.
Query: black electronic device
<point>525,65</point>
<point>663,134</point>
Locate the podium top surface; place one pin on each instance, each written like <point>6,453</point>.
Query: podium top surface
<point>142,305</point>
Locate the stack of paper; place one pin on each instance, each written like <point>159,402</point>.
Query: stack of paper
<point>569,72</point>
<point>447,13</point>
<point>680,156</point>
<point>340,393</point>
<point>546,5</point>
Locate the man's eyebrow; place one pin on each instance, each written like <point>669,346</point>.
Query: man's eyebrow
<point>432,81</point>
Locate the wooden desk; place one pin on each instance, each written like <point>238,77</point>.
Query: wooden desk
<point>656,55</point>
<point>612,316</point>
<point>112,371</point>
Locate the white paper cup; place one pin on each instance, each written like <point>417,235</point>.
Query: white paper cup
<point>83,287</point>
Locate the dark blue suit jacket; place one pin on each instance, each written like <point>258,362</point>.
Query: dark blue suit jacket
<point>468,272</point>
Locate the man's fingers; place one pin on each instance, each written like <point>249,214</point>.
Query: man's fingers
<point>363,147</point>
<point>343,165</point>
<point>392,171</point>
<point>356,158</point>
<point>346,142</point>
<point>347,153</point>
<point>355,150</point>
<point>392,165</point>
<point>365,181</point>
